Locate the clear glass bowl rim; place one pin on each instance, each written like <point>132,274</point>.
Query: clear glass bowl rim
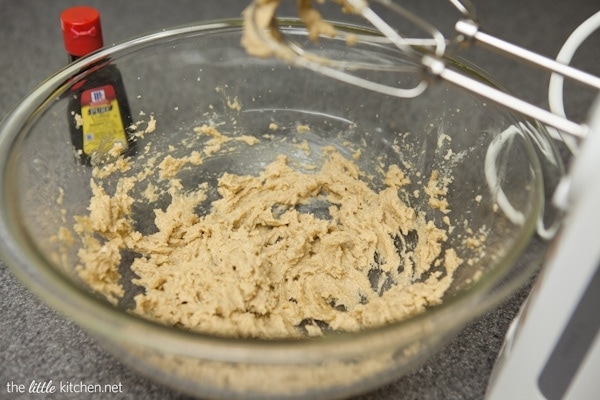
<point>105,321</point>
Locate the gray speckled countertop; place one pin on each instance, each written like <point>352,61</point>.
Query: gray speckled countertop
<point>38,344</point>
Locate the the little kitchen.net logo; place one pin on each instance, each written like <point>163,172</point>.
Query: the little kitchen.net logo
<point>60,387</point>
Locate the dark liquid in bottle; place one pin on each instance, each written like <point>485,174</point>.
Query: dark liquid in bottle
<point>99,115</point>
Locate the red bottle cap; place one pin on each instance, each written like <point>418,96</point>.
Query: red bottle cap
<point>81,30</point>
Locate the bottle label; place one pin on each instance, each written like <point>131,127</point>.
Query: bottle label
<point>103,127</point>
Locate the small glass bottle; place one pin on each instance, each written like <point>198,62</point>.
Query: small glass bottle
<point>99,113</point>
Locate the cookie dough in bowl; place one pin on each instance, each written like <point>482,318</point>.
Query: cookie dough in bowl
<point>282,254</point>
<point>270,221</point>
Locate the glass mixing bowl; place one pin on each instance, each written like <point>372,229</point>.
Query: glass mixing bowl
<point>500,171</point>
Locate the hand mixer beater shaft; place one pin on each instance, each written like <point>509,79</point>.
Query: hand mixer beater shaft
<point>430,58</point>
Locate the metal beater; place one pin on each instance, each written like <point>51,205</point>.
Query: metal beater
<point>428,53</point>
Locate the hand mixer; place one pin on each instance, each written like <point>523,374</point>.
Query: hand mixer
<point>552,349</point>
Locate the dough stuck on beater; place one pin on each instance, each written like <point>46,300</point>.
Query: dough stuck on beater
<point>261,17</point>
